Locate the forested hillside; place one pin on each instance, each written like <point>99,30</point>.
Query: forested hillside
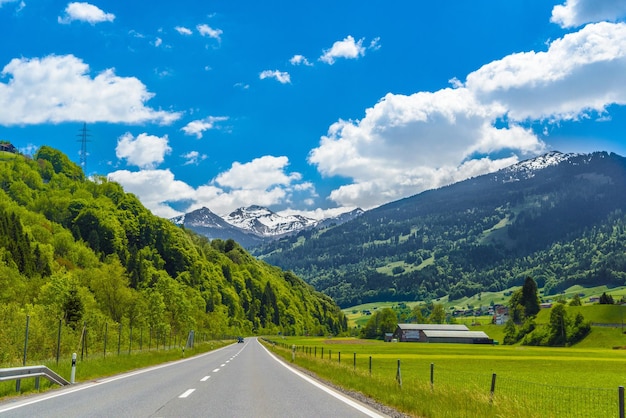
<point>84,251</point>
<point>559,219</point>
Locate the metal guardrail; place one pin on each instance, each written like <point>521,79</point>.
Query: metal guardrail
<point>18,373</point>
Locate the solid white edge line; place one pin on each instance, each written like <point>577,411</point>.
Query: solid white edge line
<point>89,385</point>
<point>332,392</point>
<point>187,393</point>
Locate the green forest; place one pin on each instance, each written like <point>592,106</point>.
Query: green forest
<point>563,225</point>
<point>84,253</point>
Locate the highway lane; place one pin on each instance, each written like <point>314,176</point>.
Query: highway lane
<point>240,380</point>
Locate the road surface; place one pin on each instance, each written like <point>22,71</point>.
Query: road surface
<point>240,380</point>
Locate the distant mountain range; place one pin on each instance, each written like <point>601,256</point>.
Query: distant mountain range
<point>254,225</point>
<point>560,218</point>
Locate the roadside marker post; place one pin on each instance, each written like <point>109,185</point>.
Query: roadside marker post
<point>73,373</point>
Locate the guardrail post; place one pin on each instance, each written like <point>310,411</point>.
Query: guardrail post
<point>73,372</point>
<point>621,401</point>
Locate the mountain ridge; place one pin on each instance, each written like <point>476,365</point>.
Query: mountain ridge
<point>254,225</point>
<point>483,233</point>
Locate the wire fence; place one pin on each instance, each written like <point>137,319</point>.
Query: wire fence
<point>43,342</point>
<point>534,398</point>
<point>538,397</point>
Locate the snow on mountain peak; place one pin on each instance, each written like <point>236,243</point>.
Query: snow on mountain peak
<point>528,168</point>
<point>263,221</point>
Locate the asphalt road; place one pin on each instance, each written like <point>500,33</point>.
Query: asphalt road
<point>240,380</point>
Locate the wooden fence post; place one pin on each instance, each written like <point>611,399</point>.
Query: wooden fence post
<point>432,376</point>
<point>399,375</point>
<point>621,401</point>
<point>493,387</point>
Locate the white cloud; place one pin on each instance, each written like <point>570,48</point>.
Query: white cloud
<point>59,89</point>
<point>280,76</point>
<point>263,181</point>
<point>183,30</point>
<point>206,30</point>
<point>85,12</point>
<point>197,127</point>
<point>375,44</point>
<point>581,72</point>
<point>152,187</point>
<point>299,60</point>
<point>145,151</point>
<point>194,158</point>
<point>158,42</point>
<point>3,2</point>
<point>348,48</point>
<point>408,144</point>
<point>259,174</point>
<point>578,12</point>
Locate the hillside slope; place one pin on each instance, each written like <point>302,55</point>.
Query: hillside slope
<point>84,251</point>
<point>558,218</point>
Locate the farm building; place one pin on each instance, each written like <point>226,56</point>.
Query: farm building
<point>459,337</point>
<point>7,147</point>
<point>441,333</point>
<point>415,332</point>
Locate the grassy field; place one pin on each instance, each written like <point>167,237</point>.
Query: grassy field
<point>97,366</point>
<point>530,381</point>
<point>357,317</point>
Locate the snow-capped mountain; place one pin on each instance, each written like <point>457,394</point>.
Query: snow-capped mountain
<point>212,226</point>
<point>266,223</point>
<point>253,225</point>
<point>527,169</point>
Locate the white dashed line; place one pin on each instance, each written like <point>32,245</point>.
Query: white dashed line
<point>216,370</point>
<point>187,393</point>
<point>223,365</point>
<point>205,378</point>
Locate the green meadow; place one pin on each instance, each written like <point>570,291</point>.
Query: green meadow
<point>529,381</point>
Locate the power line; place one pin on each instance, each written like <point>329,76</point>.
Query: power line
<point>84,133</point>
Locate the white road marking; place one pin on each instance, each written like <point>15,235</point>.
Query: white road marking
<point>205,378</point>
<point>223,365</point>
<point>187,393</point>
<point>341,397</point>
<point>82,386</point>
<point>216,370</point>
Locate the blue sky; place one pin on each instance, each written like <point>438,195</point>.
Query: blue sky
<point>315,108</point>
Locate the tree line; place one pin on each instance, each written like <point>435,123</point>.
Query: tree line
<point>84,251</point>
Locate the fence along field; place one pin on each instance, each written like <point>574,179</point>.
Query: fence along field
<point>459,380</point>
<point>101,350</point>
